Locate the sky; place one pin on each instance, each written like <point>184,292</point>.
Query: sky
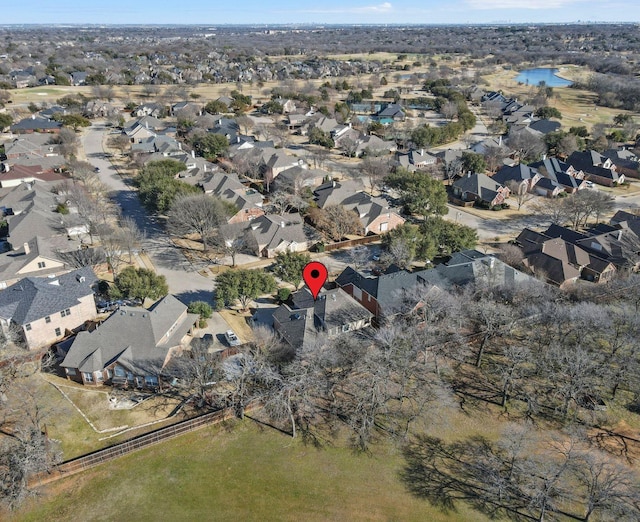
<point>214,12</point>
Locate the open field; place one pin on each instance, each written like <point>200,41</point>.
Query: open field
<point>243,473</point>
<point>577,106</point>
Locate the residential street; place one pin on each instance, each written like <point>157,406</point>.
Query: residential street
<point>183,279</point>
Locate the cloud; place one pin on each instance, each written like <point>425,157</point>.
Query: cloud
<point>519,4</point>
<point>385,7</point>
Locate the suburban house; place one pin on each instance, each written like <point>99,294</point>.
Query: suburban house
<point>269,234</point>
<point>381,295</point>
<point>474,267</point>
<point>296,179</point>
<point>227,187</point>
<point>36,124</point>
<point>44,309</point>
<point>563,256</point>
<point>481,189</point>
<point>371,145</point>
<point>308,321</point>
<point>142,129</point>
<point>415,159</point>
<point>14,175</point>
<point>278,162</point>
<point>34,149</point>
<point>523,175</point>
<point>392,112</point>
<point>626,162</point>
<point>375,214</point>
<point>596,167</point>
<point>33,258</point>
<point>559,174</point>
<point>148,109</point>
<point>132,346</point>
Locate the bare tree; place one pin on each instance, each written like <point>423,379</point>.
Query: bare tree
<point>245,123</point>
<point>449,110</point>
<point>200,214</point>
<point>375,169</point>
<point>231,239</point>
<point>529,146</point>
<point>520,192</point>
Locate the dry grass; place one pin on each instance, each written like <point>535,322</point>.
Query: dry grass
<point>237,320</point>
<point>577,106</point>
<point>248,473</point>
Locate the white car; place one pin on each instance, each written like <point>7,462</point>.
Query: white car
<point>232,338</point>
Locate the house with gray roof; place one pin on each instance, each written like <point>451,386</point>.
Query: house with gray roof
<point>481,189</point>
<point>36,124</point>
<point>33,258</point>
<point>308,321</point>
<point>269,234</point>
<point>132,346</point>
<point>596,167</point>
<point>246,200</point>
<point>415,159</point>
<point>525,177</point>
<point>45,309</point>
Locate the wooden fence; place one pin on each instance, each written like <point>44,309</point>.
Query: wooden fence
<point>95,458</point>
<point>351,242</point>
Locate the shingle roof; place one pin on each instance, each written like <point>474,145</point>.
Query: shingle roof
<point>135,336</point>
<point>33,298</point>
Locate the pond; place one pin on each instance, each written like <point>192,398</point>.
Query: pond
<point>535,76</point>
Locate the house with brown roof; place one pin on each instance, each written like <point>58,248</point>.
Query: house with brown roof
<point>562,256</point>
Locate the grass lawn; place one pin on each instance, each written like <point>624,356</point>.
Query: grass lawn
<point>244,473</point>
<point>577,106</point>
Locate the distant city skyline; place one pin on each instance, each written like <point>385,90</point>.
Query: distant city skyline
<point>203,12</point>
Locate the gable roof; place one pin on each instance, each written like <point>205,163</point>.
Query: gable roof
<point>335,192</point>
<point>480,184</point>
<point>516,173</point>
<point>33,298</point>
<point>545,126</point>
<point>271,231</point>
<point>134,336</point>
<point>308,318</point>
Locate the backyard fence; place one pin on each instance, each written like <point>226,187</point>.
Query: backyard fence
<point>351,242</point>
<point>95,458</point>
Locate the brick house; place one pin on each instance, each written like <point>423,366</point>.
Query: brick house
<point>44,308</point>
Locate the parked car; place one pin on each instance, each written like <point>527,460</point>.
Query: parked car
<point>232,338</point>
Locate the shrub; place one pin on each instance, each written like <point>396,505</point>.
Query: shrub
<point>202,308</point>
<point>283,294</point>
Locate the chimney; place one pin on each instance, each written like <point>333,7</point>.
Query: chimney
<point>193,153</point>
<point>500,141</point>
<point>421,152</point>
<point>282,224</point>
<point>619,235</point>
<point>146,124</point>
<point>27,248</point>
<point>544,157</point>
<point>469,174</point>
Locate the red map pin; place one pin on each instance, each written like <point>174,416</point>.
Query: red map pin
<point>315,275</point>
